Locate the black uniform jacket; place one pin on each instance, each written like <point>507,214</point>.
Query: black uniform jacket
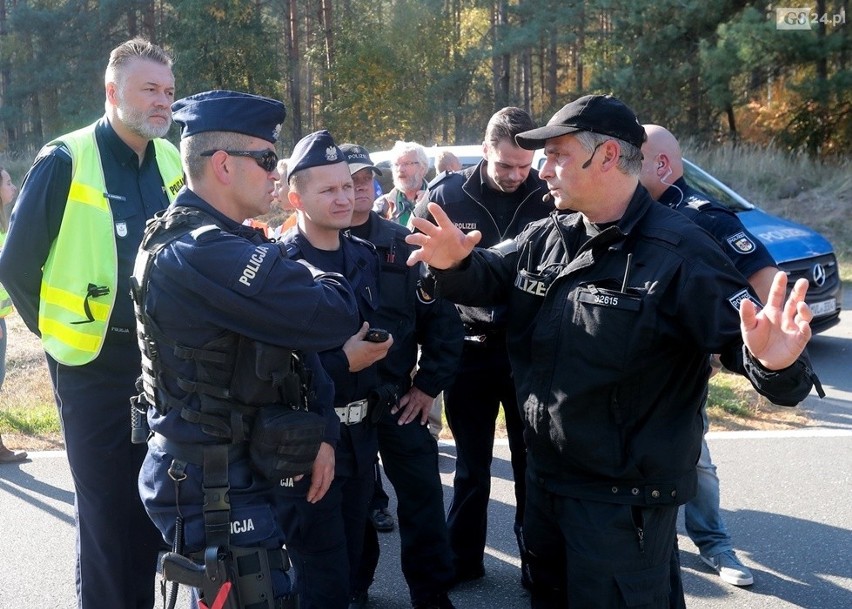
<point>413,317</point>
<point>611,362</point>
<point>463,197</point>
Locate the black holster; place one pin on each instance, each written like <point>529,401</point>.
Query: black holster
<point>240,578</point>
<point>381,400</point>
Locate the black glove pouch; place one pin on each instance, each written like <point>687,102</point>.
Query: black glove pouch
<point>285,442</point>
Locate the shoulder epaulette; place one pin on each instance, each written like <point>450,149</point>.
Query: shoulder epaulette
<point>359,240</point>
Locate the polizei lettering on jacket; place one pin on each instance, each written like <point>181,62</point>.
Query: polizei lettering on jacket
<point>251,268</point>
<point>531,284</point>
<point>242,526</point>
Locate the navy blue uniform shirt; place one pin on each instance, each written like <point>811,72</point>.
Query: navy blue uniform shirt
<point>747,253</point>
<point>357,261</point>
<point>411,315</point>
<point>135,192</point>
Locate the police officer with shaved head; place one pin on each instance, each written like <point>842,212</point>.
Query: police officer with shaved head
<point>237,402</point>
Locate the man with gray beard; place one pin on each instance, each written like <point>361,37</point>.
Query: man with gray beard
<point>66,264</point>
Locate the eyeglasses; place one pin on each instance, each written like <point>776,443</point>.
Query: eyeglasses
<point>267,159</point>
<point>407,164</point>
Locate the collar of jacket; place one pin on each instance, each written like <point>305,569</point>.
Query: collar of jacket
<point>633,213</point>
<point>474,183</point>
<point>674,195</point>
<point>189,198</point>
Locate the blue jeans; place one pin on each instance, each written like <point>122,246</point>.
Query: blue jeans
<point>3,340</point>
<point>704,523</point>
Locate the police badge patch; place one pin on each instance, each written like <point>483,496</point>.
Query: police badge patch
<point>741,243</point>
<point>424,296</point>
<point>742,295</point>
<point>121,229</point>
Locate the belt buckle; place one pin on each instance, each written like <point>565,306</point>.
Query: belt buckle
<point>353,413</point>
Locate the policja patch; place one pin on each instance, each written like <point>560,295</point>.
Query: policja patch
<point>254,266</point>
<point>741,243</point>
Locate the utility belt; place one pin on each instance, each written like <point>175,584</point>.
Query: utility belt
<point>191,453</point>
<point>354,412</point>
<point>373,407</point>
<point>282,443</point>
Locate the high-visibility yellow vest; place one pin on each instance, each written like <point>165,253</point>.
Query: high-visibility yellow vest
<point>5,301</point>
<point>81,272</point>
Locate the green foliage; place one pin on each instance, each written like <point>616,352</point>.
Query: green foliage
<point>427,69</point>
<point>222,44</point>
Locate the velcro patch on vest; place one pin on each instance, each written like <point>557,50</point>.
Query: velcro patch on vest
<point>253,269</point>
<point>737,299</point>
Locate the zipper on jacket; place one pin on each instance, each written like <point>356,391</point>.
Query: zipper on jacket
<point>639,525</point>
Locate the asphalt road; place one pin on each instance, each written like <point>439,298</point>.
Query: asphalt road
<point>786,498</point>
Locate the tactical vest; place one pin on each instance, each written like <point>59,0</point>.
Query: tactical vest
<point>5,301</point>
<point>234,374</point>
<point>236,381</point>
<point>80,274</point>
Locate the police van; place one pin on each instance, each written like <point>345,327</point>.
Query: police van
<point>798,250</point>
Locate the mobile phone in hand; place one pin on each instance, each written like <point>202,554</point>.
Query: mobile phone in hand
<point>377,335</point>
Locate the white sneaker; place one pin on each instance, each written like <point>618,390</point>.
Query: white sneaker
<point>729,568</point>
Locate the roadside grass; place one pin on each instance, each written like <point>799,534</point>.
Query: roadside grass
<point>28,416</point>
<point>733,404</point>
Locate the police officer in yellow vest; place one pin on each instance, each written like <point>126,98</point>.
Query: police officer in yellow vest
<point>67,263</point>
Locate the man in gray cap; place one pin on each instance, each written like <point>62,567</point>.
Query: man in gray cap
<point>613,311</point>
<point>237,402</point>
<point>428,340</point>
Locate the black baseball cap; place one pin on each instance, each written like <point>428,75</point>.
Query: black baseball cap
<point>602,114</point>
<point>358,158</point>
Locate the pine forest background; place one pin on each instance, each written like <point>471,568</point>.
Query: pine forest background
<point>433,71</point>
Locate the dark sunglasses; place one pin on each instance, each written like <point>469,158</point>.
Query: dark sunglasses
<point>267,159</point>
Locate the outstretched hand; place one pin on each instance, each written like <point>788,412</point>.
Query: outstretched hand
<point>778,334</point>
<point>442,245</point>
